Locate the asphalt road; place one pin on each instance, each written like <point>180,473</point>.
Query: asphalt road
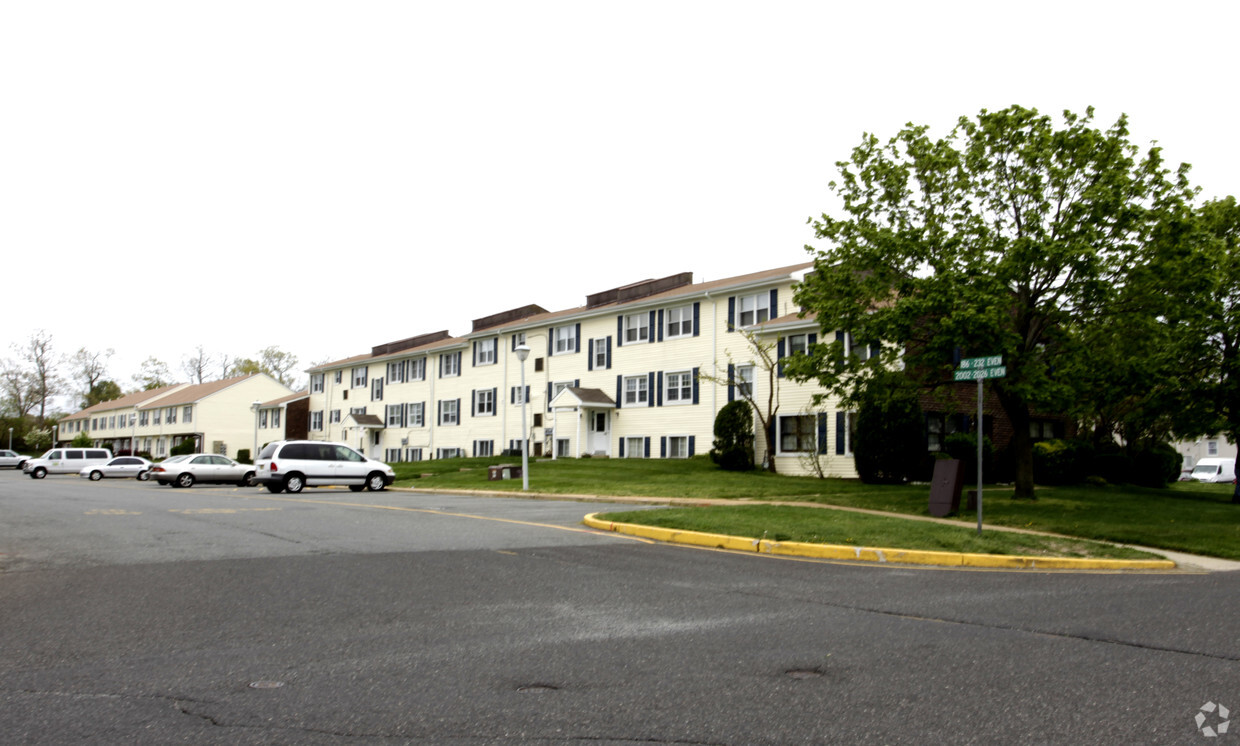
<point>132,613</point>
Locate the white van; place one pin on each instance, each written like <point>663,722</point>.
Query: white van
<point>1214,470</point>
<point>65,461</point>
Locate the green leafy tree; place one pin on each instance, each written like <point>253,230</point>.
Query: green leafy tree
<point>766,361</point>
<point>154,374</point>
<point>889,444</point>
<point>733,446</point>
<point>245,367</point>
<point>101,392</point>
<point>1004,238</point>
<point>82,440</point>
<point>39,439</point>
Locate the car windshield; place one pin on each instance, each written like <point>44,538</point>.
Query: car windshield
<point>1205,470</point>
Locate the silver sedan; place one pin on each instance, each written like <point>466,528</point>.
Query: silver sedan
<point>202,467</point>
<point>126,467</point>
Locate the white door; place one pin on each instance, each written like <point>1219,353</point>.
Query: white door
<point>600,433</point>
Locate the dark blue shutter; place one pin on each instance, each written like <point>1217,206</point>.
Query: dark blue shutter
<point>423,414</point>
<point>577,338</point>
<point>650,389</point>
<point>619,394</point>
<point>527,395</point>
<point>822,432</point>
<point>458,411</point>
<point>660,326</point>
<point>647,447</point>
<point>839,337</point>
<point>697,318</point>
<point>494,400</point>
<point>550,340</point>
<point>548,396</point>
<point>651,323</point>
<point>620,330</point>
<point>731,382</point>
<point>609,353</point>
<point>439,412</point>
<point>841,432</point>
<point>663,447</point>
<point>876,349</point>
<point>473,403</point>
<point>576,383</point>
<point>659,390</point>
<point>779,355</point>
<point>811,341</point>
<point>732,313</point>
<point>622,448</point>
<point>695,385</point>
<point>458,364</point>
<point>956,356</point>
<point>691,444</point>
<point>475,353</point>
<point>774,303</point>
<point>512,395</point>
<point>590,352</point>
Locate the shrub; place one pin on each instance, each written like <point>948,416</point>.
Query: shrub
<point>1059,462</point>
<point>82,440</point>
<point>243,456</point>
<point>889,447</point>
<point>734,441</point>
<point>963,446</point>
<point>185,447</point>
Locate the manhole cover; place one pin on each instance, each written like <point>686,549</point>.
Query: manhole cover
<point>266,684</point>
<point>804,673</point>
<point>537,688</point>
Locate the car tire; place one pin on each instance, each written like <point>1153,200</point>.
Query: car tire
<point>274,488</point>
<point>38,473</point>
<point>375,482</point>
<point>294,483</point>
<point>185,480</point>
<point>96,475</point>
<point>247,480</point>
<point>356,487</point>
<point>144,476</point>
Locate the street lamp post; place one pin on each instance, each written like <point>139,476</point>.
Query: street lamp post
<point>523,352</point>
<point>10,438</point>
<point>254,453</point>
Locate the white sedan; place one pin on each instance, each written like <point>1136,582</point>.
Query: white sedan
<point>125,467</point>
<point>12,458</point>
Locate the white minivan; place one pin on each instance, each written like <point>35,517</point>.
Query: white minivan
<point>65,461</point>
<point>1214,470</point>
<point>291,465</point>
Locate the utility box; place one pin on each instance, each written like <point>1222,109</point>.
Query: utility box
<point>945,487</point>
<point>503,471</point>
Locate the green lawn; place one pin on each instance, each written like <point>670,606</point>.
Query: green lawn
<point>1188,517</point>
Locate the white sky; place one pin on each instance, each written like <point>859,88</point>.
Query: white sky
<point>325,177</point>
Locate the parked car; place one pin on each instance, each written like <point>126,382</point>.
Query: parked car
<point>65,461</point>
<point>1221,470</point>
<point>295,464</point>
<point>201,467</point>
<point>12,458</point>
<point>128,467</point>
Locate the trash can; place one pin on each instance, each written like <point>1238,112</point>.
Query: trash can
<point>503,471</point>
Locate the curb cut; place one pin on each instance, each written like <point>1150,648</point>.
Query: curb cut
<point>872,554</point>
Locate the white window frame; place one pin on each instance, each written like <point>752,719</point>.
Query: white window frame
<point>484,403</point>
<point>448,367</point>
<point>682,392</point>
<point>678,440</point>
<point>417,369</point>
<point>335,417</point>
<point>359,376</point>
<point>416,414</point>
<point>484,353</point>
<point>635,452</point>
<point>339,376</point>
<point>316,421</point>
<point>187,414</point>
<point>637,328</point>
<point>448,417</point>
<point>376,389</point>
<point>393,414</point>
<point>1211,447</point>
<point>600,354</point>
<point>757,305</point>
<point>396,372</point>
<point>316,383</point>
<point>565,339</point>
<point>636,391</point>
<point>796,343</point>
<point>800,436</point>
<point>485,448</point>
<point>679,318</point>
<point>745,380</point>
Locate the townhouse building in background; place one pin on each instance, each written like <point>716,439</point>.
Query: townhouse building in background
<point>219,416</point>
<point>624,376</point>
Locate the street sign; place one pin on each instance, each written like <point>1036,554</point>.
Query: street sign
<point>978,374</point>
<point>990,361</point>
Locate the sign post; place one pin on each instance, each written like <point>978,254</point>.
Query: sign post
<point>979,369</point>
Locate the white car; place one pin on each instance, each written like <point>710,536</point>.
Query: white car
<point>124,467</point>
<point>295,464</point>
<point>12,458</point>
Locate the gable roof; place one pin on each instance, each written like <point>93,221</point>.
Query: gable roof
<point>125,402</point>
<point>196,392</point>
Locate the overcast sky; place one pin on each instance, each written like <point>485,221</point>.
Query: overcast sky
<point>325,177</point>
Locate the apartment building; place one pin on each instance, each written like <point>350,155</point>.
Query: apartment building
<point>639,371</point>
<point>218,415</point>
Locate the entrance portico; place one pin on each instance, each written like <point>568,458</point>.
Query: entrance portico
<point>592,405</point>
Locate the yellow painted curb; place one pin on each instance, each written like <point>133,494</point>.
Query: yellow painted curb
<point>872,554</point>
